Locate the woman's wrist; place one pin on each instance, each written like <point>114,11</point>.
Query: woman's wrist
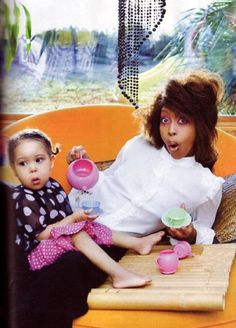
<point>192,237</point>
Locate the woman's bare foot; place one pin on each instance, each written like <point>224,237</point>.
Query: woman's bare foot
<point>126,279</point>
<point>145,244</point>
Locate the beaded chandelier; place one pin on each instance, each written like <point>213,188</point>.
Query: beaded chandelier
<point>138,19</point>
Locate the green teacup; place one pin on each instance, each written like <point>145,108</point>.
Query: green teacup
<point>176,218</point>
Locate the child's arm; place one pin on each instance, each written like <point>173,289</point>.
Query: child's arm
<point>76,216</point>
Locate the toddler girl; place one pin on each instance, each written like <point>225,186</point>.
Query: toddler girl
<point>47,228</point>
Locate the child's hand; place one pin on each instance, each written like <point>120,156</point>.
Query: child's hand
<point>75,153</point>
<point>187,233</point>
<point>81,215</point>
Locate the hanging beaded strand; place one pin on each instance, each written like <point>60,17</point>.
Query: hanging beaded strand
<point>138,19</point>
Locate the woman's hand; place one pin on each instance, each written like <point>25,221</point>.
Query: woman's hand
<point>187,233</point>
<point>75,153</point>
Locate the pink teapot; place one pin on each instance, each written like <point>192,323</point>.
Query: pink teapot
<point>82,174</point>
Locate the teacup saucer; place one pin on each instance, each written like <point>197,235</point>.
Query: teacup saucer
<point>98,212</point>
<point>176,218</point>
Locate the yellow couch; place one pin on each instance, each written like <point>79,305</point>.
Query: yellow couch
<point>103,129</point>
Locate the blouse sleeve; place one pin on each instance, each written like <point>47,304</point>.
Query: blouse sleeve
<point>204,217</point>
<point>31,218</point>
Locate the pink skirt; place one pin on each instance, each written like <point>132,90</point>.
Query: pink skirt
<point>59,242</point>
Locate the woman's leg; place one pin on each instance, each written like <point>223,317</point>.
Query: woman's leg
<point>142,245</point>
<point>121,278</point>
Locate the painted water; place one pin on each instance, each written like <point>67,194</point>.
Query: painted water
<point>62,77</point>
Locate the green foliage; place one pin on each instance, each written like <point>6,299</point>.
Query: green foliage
<point>209,35</point>
<point>27,29</point>
<point>49,36</point>
<point>65,37</point>
<point>11,22</point>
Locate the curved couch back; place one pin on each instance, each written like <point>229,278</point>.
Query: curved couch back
<point>102,130</point>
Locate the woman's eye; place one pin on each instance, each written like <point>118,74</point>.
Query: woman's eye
<point>164,120</point>
<point>183,120</point>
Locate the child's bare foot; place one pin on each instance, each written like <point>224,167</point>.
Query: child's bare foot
<point>129,279</point>
<point>145,244</point>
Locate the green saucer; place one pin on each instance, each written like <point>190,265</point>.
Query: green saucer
<point>176,218</point>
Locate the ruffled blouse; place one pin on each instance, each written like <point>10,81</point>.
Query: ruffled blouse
<point>144,182</point>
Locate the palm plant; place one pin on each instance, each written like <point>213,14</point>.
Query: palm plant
<point>206,38</point>
<point>10,29</point>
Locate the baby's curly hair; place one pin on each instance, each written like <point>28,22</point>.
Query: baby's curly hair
<point>32,134</point>
<point>194,95</point>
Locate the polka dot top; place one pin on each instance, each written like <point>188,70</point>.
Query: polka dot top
<point>36,209</point>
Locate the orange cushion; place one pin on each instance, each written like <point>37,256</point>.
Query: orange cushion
<point>103,130</point>
<point>226,147</point>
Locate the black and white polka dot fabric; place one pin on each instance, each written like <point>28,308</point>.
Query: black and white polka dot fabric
<point>36,209</point>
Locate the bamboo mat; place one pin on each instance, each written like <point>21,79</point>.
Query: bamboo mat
<point>200,283</point>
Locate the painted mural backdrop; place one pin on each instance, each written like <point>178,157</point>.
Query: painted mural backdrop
<point>74,61</point>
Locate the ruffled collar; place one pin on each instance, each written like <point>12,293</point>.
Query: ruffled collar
<point>184,162</point>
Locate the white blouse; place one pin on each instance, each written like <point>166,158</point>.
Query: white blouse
<point>145,182</point>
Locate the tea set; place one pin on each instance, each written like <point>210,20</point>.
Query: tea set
<point>93,205</point>
<point>176,218</point>
<point>83,174</point>
<point>168,259</point>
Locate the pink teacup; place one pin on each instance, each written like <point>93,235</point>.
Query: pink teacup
<point>167,261</point>
<point>183,249</point>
